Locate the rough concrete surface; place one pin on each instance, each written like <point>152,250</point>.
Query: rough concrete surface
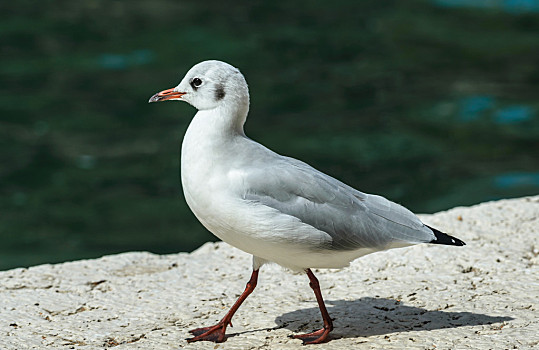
<point>481,296</point>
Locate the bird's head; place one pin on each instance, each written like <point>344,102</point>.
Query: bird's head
<point>208,85</point>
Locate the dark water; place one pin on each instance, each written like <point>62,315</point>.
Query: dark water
<point>433,104</point>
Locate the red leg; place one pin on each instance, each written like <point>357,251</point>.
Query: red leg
<point>217,333</point>
<point>320,335</point>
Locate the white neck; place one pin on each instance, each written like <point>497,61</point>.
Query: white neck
<point>210,135</point>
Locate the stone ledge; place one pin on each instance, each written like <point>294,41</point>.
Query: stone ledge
<point>481,296</point>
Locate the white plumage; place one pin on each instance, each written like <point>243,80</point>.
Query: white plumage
<point>276,208</point>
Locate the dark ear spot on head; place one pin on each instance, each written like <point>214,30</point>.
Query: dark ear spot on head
<point>219,92</point>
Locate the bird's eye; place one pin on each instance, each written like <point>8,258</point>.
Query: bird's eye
<point>196,82</point>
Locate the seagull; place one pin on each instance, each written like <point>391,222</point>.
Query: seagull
<point>276,208</point>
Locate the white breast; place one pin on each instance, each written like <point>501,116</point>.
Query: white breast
<point>211,175</point>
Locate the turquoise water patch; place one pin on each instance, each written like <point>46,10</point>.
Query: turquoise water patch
<point>124,61</point>
<point>508,6</point>
<point>510,180</point>
<point>472,108</point>
<point>513,114</point>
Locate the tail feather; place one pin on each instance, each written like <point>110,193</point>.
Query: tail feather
<point>443,238</point>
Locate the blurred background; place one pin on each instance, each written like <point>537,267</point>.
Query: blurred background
<point>433,104</point>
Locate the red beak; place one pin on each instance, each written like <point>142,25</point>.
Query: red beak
<point>166,95</point>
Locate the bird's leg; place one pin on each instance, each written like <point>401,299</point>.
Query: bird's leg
<point>320,335</point>
<point>217,333</point>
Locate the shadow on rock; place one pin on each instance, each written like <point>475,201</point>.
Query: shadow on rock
<point>377,316</point>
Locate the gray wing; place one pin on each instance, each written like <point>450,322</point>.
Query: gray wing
<point>353,219</point>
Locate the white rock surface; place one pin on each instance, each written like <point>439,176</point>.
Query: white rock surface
<point>481,296</point>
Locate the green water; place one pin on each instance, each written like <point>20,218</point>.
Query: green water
<point>430,105</point>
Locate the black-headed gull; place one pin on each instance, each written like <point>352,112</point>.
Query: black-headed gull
<point>276,208</point>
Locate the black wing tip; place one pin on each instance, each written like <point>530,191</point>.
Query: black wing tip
<point>443,238</point>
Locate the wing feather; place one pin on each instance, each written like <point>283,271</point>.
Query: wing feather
<point>352,218</point>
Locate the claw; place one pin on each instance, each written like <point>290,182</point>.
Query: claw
<point>215,334</point>
<point>316,337</point>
